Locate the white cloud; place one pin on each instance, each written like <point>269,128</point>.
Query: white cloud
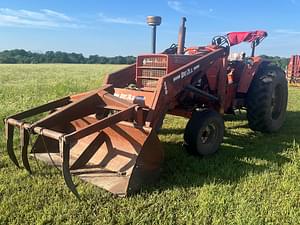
<point>58,15</point>
<point>44,18</point>
<point>119,20</point>
<point>190,8</point>
<point>177,6</point>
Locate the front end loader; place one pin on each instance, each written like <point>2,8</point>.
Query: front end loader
<point>108,136</point>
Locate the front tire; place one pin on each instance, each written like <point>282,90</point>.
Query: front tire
<point>204,132</point>
<point>267,100</point>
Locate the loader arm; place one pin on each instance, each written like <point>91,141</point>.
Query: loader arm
<point>171,85</point>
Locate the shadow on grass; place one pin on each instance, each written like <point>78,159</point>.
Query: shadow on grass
<point>239,156</point>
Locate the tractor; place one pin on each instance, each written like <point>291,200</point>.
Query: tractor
<point>293,69</point>
<point>108,136</point>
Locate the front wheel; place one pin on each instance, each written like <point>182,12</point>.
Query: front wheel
<point>204,132</point>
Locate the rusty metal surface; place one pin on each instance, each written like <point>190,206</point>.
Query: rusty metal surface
<point>109,157</point>
<point>107,180</point>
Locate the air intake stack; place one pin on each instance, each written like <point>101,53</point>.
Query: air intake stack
<point>153,21</point>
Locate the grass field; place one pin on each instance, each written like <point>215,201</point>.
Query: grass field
<point>253,179</point>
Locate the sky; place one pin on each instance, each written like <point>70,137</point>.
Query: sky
<point>118,27</point>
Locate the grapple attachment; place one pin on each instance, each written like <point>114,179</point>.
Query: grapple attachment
<point>95,136</point>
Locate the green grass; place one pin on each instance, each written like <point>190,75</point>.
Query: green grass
<point>253,179</point>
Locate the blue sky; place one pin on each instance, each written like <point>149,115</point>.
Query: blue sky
<point>117,27</point>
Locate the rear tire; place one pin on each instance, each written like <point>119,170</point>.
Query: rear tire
<point>204,132</point>
<point>267,100</point>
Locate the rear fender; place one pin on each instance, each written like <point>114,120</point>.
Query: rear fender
<point>248,73</point>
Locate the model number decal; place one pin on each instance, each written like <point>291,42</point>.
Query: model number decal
<point>129,97</point>
<point>186,73</point>
<point>196,67</point>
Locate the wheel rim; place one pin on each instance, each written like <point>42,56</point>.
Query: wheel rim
<point>208,133</point>
<point>276,105</point>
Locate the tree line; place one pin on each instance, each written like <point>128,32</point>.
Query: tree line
<point>280,61</point>
<point>18,56</point>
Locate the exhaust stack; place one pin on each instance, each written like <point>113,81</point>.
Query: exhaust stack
<point>153,21</point>
<point>181,37</point>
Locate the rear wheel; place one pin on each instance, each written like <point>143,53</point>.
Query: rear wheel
<point>267,100</point>
<point>204,132</point>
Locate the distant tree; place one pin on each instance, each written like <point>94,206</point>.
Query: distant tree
<point>92,59</point>
<point>130,59</point>
<point>280,61</point>
<point>23,56</point>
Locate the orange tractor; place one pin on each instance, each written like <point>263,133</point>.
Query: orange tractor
<point>108,136</point>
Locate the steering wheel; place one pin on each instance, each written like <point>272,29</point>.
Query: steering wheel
<point>221,41</point>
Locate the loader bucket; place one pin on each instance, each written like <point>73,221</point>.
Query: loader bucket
<point>109,151</point>
<point>118,158</point>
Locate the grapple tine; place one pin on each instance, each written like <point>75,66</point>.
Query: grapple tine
<point>9,130</point>
<point>65,149</point>
<point>24,139</point>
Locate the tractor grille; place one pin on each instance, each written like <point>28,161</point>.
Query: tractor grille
<point>155,61</point>
<point>153,73</point>
<point>150,68</point>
